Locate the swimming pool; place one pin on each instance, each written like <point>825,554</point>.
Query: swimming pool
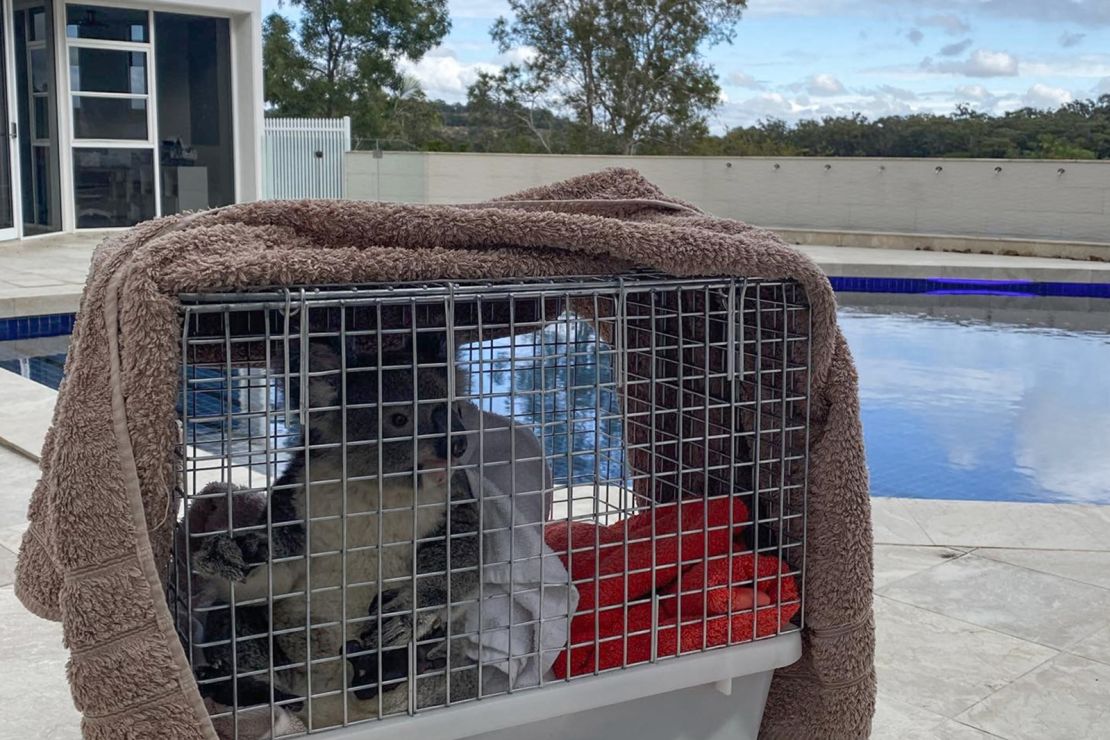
<point>999,394</point>
<point>984,399</point>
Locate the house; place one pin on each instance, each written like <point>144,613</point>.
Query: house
<point>119,112</point>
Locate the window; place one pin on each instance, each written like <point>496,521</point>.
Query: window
<point>37,117</point>
<point>109,54</point>
<point>114,187</point>
<point>109,92</point>
<point>107,24</point>
<point>193,62</point>
<point>109,118</point>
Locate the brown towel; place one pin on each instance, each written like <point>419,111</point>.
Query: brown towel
<point>100,525</point>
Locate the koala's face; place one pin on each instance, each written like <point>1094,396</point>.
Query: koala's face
<point>412,414</point>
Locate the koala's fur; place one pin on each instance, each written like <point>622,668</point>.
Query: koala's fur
<point>349,544</point>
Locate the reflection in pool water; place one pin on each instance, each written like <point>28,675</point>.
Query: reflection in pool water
<point>962,409</point>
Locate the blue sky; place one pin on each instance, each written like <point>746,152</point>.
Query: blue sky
<point>797,59</point>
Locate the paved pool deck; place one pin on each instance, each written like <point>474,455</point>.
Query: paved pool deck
<point>46,275</point>
<point>993,619</point>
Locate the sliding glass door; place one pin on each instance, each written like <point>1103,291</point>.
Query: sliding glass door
<point>193,61</point>
<point>37,124</point>
<point>9,201</point>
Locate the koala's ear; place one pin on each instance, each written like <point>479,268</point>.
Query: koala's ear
<point>431,346</point>
<point>324,357</point>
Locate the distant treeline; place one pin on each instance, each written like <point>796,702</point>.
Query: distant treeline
<point>1077,130</point>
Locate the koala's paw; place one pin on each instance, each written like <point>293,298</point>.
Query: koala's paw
<point>231,556</point>
<point>397,625</point>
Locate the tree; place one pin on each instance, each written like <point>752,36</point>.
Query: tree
<point>511,102</point>
<point>630,69</point>
<point>342,59</point>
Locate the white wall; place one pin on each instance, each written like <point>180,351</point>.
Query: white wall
<point>1027,199</point>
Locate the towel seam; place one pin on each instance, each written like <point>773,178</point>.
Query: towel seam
<point>157,699</point>
<point>599,204</point>
<point>840,629</point>
<point>103,646</point>
<point>802,678</point>
<point>95,570</point>
<point>33,529</point>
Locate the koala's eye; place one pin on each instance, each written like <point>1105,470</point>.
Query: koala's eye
<point>399,420</point>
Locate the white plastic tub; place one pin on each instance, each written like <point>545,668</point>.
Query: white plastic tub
<point>717,695</point>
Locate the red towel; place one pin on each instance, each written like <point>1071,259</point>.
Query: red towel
<point>617,579</point>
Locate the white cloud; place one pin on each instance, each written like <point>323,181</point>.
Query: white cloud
<point>976,93</point>
<point>757,108</point>
<point>743,79</point>
<point>984,63</point>
<point>824,84</point>
<point>479,9</point>
<point>981,63</point>
<point>1085,65</point>
<point>873,103</point>
<point>1069,39</point>
<point>915,36</point>
<point>518,56</point>
<point>950,24</point>
<point>1083,12</point>
<point>954,50</point>
<point>1043,96</point>
<point>441,75</point>
<point>1064,452</point>
<point>1103,86</point>
<point>947,14</point>
<point>898,93</point>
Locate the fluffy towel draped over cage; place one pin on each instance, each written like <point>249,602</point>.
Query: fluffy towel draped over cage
<point>101,519</point>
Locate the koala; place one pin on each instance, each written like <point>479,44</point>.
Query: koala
<point>366,487</point>
<point>210,625</point>
<point>391,646</point>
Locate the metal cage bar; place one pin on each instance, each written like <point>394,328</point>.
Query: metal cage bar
<point>348,536</point>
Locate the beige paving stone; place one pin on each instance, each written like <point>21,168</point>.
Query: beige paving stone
<point>1066,699</point>
<point>893,523</point>
<point>944,665</point>
<point>897,720</point>
<point>26,411</point>
<point>7,566</point>
<point>19,478</point>
<point>1011,525</point>
<point>33,682</point>
<point>12,535</point>
<point>1096,647</point>
<point>1085,566</point>
<point>895,562</point>
<point>1023,603</point>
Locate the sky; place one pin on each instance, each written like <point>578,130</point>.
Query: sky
<point>797,59</point>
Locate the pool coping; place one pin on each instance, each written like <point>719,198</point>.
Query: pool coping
<point>837,262</point>
<point>26,412</point>
<point>59,322</point>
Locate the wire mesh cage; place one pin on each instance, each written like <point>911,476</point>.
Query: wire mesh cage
<point>400,498</point>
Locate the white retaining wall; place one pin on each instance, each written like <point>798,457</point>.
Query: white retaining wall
<point>1016,199</point>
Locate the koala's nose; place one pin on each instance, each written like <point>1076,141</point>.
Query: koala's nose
<point>458,446</point>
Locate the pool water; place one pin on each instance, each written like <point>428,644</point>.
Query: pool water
<point>959,408</point>
<point>975,397</point>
